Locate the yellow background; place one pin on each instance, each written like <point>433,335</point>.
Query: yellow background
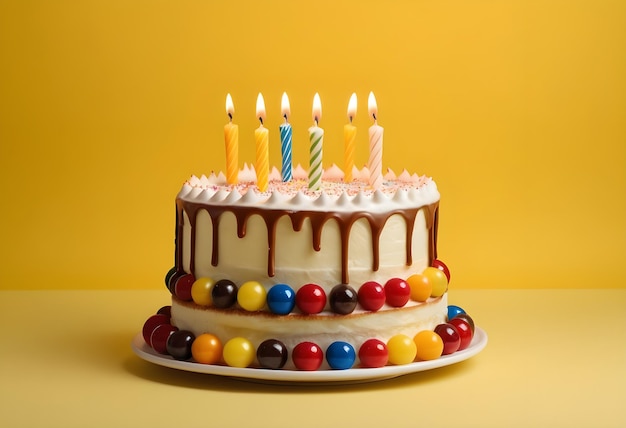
<point>516,108</point>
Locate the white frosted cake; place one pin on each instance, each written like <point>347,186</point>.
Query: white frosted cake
<point>290,278</point>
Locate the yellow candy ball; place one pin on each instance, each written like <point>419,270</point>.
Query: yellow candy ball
<point>401,349</point>
<point>251,296</point>
<point>429,345</point>
<point>201,291</point>
<point>421,288</point>
<point>438,280</point>
<point>239,352</point>
<point>206,349</point>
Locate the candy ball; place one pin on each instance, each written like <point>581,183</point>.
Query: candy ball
<point>464,330</point>
<point>307,356</point>
<point>182,287</point>
<point>467,318</point>
<point>437,279</point>
<point>373,353</point>
<point>251,296</point>
<point>398,292</point>
<point>171,283</point>
<point>159,337</point>
<point>201,291</point>
<point>272,354</point>
<point>340,355</point>
<point>442,267</point>
<point>429,345</point>
<point>179,344</point>
<point>165,310</point>
<point>151,323</point>
<point>402,349</point>
<point>206,349</point>
<point>450,336</point>
<point>224,294</point>
<point>342,299</point>
<point>170,273</point>
<point>421,288</point>
<point>239,352</point>
<point>453,311</point>
<point>371,296</point>
<point>281,299</point>
<point>311,299</point>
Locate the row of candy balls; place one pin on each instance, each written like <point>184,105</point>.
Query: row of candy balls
<point>447,338</point>
<point>310,298</point>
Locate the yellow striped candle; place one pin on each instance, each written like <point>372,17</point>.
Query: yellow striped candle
<point>316,137</point>
<point>375,164</point>
<point>231,138</point>
<point>261,136</point>
<point>349,136</point>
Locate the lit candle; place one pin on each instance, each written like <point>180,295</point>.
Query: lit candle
<point>261,136</point>
<point>349,136</point>
<point>231,137</point>
<point>375,164</point>
<point>316,137</point>
<point>285,139</point>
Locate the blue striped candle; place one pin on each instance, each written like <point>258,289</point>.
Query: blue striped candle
<point>285,139</point>
<point>285,149</point>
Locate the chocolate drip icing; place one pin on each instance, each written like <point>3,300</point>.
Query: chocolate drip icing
<point>318,219</point>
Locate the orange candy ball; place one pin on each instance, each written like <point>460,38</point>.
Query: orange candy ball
<point>206,349</point>
<point>421,288</point>
<point>429,345</point>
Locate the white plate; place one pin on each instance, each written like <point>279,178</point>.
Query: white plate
<point>343,376</point>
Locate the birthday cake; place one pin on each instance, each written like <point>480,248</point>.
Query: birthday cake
<point>343,275</point>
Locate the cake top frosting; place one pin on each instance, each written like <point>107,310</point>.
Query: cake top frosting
<point>401,190</point>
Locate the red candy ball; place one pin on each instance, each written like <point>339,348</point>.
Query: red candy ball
<point>398,292</point>
<point>373,353</point>
<point>450,336</point>
<point>151,323</point>
<point>165,310</point>
<point>371,296</point>
<point>182,287</point>
<point>465,331</point>
<point>467,318</point>
<point>311,299</point>
<point>307,356</point>
<point>158,339</point>
<point>442,267</point>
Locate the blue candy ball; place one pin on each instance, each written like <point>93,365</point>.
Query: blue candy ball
<point>340,355</point>
<point>281,299</point>
<point>453,311</point>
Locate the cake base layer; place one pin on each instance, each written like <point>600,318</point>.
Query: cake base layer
<point>322,329</point>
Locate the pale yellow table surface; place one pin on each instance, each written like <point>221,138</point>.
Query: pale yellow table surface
<point>555,358</point>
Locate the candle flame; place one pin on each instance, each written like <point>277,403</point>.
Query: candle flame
<point>230,107</point>
<point>317,108</point>
<point>284,106</point>
<point>352,107</point>
<point>260,108</point>
<point>371,106</point>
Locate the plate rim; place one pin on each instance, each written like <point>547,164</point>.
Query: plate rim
<point>143,351</point>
